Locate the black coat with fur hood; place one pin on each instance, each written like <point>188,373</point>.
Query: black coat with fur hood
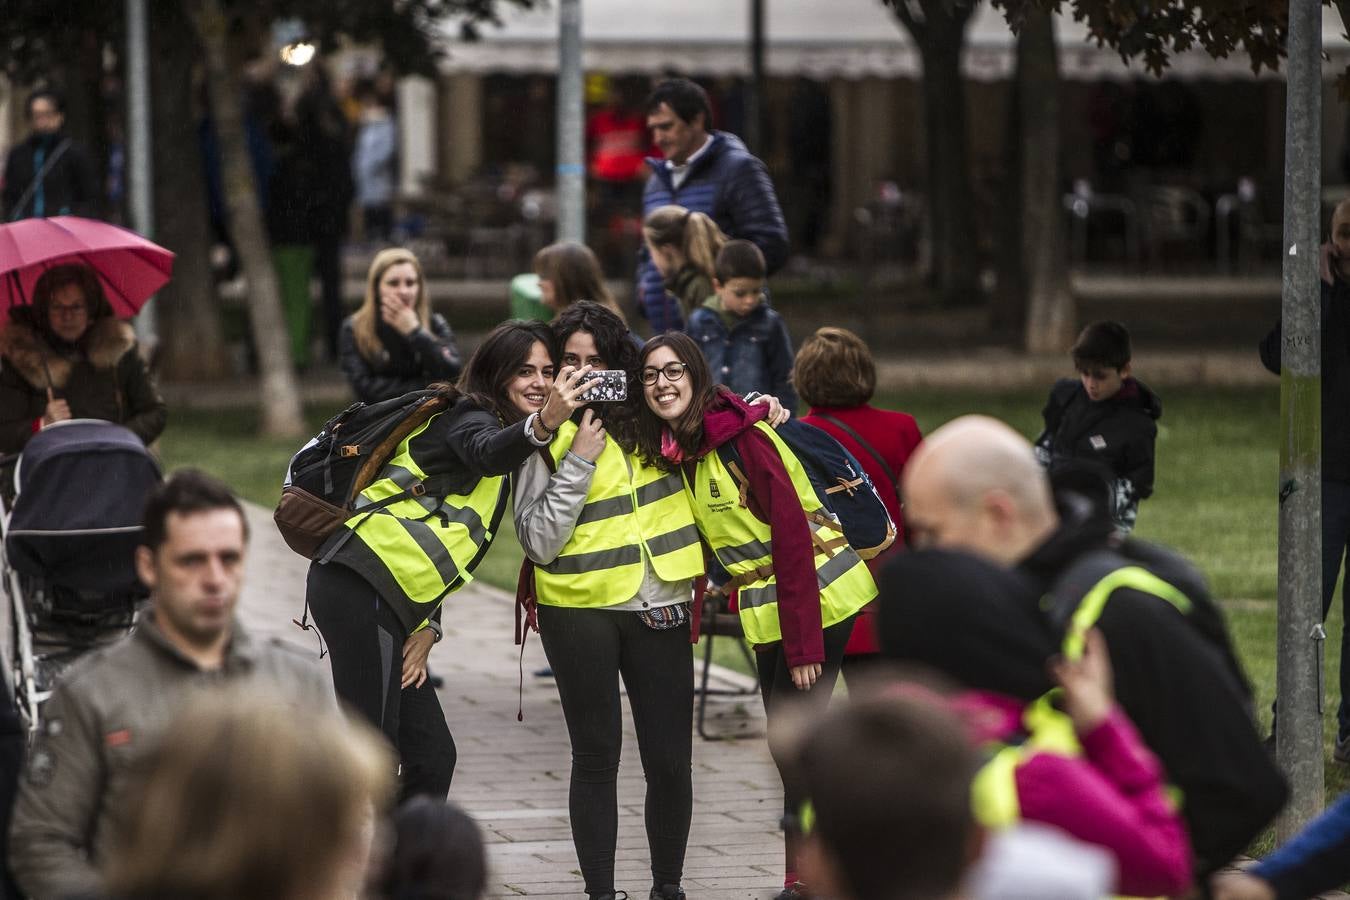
<point>101,376</point>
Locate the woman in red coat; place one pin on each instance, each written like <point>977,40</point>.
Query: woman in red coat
<point>835,376</point>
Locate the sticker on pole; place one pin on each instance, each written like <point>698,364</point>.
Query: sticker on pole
<point>1293,249</point>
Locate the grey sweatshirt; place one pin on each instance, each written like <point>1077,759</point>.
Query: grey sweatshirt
<point>546,506</point>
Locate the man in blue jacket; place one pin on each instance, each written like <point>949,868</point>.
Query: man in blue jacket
<point>709,172</point>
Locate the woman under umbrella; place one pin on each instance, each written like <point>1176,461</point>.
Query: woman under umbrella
<point>68,357</point>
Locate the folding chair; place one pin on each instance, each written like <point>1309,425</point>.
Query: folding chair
<point>720,621</point>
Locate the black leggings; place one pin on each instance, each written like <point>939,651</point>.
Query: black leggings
<point>365,640</point>
<point>779,693</point>
<point>589,649</point>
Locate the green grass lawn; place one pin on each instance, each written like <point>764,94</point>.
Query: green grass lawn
<point>1214,500</point>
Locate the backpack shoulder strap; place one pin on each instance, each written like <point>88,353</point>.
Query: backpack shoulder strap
<point>731,458</point>
<point>1072,584</point>
<point>1092,580</point>
<point>829,546</point>
<point>871,451</point>
<point>38,176</point>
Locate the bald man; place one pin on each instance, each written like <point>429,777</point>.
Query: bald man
<point>1335,435</point>
<point>975,485</point>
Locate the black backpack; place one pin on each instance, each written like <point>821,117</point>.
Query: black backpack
<point>1205,616</point>
<point>327,474</point>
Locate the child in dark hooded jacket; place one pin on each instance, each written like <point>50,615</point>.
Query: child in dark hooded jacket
<point>1103,422</point>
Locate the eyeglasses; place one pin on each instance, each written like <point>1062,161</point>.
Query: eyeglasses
<point>673,371</point>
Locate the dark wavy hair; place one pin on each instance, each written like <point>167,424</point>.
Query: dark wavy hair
<point>495,362</point>
<point>617,348</point>
<point>688,428</point>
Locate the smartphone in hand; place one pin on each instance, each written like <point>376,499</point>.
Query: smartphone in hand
<point>613,386</point>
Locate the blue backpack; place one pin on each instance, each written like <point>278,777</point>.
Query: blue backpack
<point>842,486</point>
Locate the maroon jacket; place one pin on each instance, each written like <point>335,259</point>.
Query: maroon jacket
<point>894,435</point>
<point>773,500</point>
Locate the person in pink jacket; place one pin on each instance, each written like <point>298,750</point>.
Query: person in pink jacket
<point>979,625</point>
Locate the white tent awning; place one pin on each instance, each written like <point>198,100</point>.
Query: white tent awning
<point>818,38</point>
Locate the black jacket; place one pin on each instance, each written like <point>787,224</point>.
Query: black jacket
<point>68,188</point>
<point>1115,436</point>
<point>1335,377</point>
<point>459,448</point>
<point>405,364</point>
<point>1179,684</point>
<point>966,617</point>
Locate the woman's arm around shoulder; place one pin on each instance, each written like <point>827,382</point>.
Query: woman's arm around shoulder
<point>486,446</point>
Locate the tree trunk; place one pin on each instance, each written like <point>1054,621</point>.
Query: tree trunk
<point>950,198</point>
<point>191,339</point>
<point>279,393</point>
<point>1050,309</point>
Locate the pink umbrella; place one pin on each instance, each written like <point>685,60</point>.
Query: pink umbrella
<point>129,267</point>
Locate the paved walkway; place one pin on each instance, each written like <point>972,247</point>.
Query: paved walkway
<point>512,776</point>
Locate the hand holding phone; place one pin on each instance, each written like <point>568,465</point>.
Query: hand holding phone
<point>612,387</point>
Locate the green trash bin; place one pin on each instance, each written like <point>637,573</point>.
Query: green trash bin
<point>525,299</point>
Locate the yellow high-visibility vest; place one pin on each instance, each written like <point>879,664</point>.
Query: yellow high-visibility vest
<point>994,796</point>
<point>427,545</point>
<point>635,515</point>
<point>743,545</point>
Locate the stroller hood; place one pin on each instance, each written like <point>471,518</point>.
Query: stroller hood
<point>76,521</point>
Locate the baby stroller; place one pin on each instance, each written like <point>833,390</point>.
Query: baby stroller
<point>69,540</point>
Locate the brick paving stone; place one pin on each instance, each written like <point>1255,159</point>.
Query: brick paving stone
<point>512,776</point>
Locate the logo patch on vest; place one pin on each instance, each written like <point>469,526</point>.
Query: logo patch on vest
<point>1098,442</point>
<point>713,490</point>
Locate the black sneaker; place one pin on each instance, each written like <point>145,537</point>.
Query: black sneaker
<point>796,892</point>
<point>667,892</point>
<point>616,895</point>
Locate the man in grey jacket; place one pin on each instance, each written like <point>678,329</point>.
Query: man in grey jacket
<point>109,708</point>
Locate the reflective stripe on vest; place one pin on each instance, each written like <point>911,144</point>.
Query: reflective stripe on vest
<point>994,789</point>
<point>634,516</point>
<point>426,544</point>
<point>1092,605</point>
<point>993,792</point>
<point>743,544</point>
